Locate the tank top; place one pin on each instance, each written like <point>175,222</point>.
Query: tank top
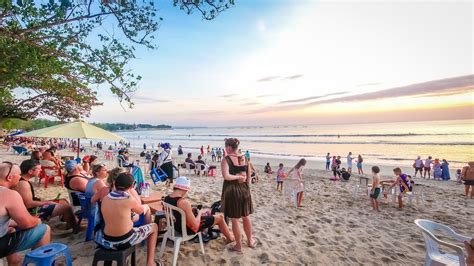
<point>235,169</point>
<point>69,178</point>
<point>177,215</point>
<point>4,222</point>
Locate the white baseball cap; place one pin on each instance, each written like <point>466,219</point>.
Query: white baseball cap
<point>182,183</point>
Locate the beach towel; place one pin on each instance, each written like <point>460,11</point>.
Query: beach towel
<point>139,179</point>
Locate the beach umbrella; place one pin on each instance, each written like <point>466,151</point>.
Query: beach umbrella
<point>74,130</point>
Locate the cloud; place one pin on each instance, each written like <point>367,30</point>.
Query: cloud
<point>440,87</point>
<point>143,99</point>
<point>270,78</point>
<point>368,84</point>
<point>312,98</point>
<point>436,87</point>
<point>228,95</point>
<point>249,103</point>
<point>294,76</point>
<point>267,95</point>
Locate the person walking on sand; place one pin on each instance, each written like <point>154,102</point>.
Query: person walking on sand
<point>467,175</point>
<point>328,161</point>
<point>236,197</point>
<point>202,150</point>
<point>418,165</point>
<point>296,183</point>
<point>427,167</point>
<point>375,191</point>
<point>360,162</point>
<point>349,162</point>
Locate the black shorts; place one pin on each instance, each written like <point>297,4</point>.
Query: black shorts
<point>279,182</point>
<point>419,169</point>
<point>206,222</point>
<point>469,182</point>
<point>45,212</point>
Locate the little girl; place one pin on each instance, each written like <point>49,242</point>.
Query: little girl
<point>280,176</point>
<point>297,182</point>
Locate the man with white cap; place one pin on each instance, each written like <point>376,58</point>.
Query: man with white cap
<point>194,223</point>
<point>75,179</point>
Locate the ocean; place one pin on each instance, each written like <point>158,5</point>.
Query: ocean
<point>378,143</point>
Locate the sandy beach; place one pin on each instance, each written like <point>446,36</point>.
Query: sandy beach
<point>334,226</point>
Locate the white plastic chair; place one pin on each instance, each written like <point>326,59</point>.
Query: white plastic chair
<point>200,166</point>
<point>417,193</point>
<point>361,186</point>
<point>175,236</point>
<point>188,169</point>
<point>433,254</point>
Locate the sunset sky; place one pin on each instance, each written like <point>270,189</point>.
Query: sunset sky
<point>305,62</point>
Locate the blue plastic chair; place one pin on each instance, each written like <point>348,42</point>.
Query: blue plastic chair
<point>158,175</point>
<point>86,212</point>
<point>140,222</point>
<point>47,255</point>
<point>20,150</point>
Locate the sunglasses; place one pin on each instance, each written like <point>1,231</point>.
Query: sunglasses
<point>9,170</point>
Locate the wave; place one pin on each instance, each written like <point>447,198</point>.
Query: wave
<point>334,142</point>
<point>323,135</point>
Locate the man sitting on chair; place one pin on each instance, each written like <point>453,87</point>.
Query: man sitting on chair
<point>194,223</point>
<point>190,161</point>
<point>203,164</point>
<point>45,209</point>
<point>18,229</point>
<point>76,179</point>
<point>118,232</point>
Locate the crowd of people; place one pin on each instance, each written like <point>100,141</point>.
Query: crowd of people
<point>118,204</point>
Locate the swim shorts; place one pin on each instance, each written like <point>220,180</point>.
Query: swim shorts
<point>21,240</point>
<point>135,236</point>
<point>469,182</point>
<point>376,193</point>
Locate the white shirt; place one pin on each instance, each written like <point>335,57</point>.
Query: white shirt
<point>164,157</point>
<point>428,163</point>
<point>349,160</point>
<point>418,163</point>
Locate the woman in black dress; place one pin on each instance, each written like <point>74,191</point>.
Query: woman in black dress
<point>236,198</point>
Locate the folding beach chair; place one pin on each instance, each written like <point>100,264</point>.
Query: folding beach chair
<point>158,175</point>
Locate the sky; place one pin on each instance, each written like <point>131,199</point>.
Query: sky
<point>304,62</point>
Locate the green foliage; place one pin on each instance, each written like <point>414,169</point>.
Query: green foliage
<point>54,52</point>
<point>28,125</point>
<point>122,126</point>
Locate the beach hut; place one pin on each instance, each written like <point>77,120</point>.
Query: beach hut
<point>74,130</point>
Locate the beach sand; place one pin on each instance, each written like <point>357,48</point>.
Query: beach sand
<point>334,226</point>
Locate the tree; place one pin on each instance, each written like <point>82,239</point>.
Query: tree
<point>55,55</point>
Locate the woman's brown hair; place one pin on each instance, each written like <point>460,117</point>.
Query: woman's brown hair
<point>302,162</point>
<point>233,143</point>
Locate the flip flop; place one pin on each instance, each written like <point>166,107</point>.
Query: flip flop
<point>254,245</point>
<point>234,249</point>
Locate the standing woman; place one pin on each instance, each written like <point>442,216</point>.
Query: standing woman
<point>236,198</point>
<point>165,162</point>
<point>296,178</point>
<point>437,172</point>
<point>360,160</point>
<point>445,170</point>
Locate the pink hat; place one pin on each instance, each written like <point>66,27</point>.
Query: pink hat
<point>182,183</point>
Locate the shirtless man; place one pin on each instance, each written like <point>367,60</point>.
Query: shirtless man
<point>119,232</point>
<point>46,209</point>
<point>75,179</point>
<point>14,215</point>
<point>194,223</point>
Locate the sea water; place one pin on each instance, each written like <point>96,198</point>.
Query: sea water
<point>378,143</point>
